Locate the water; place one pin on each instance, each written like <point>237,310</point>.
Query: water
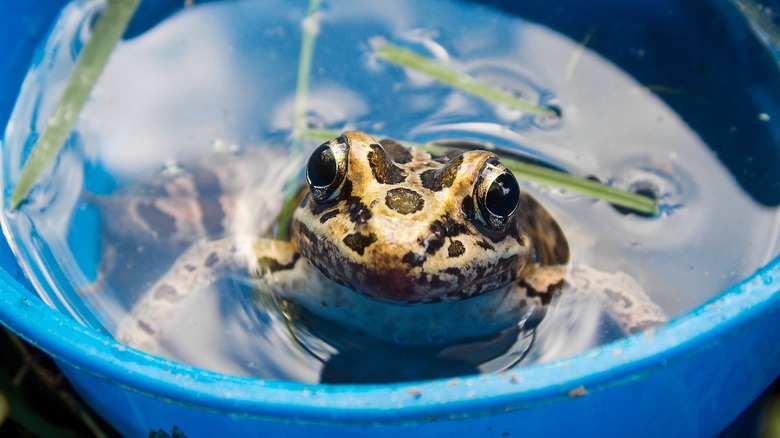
<point>211,89</point>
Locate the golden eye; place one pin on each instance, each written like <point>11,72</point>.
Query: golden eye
<point>496,195</point>
<point>326,169</point>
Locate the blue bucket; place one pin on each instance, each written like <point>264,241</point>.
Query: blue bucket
<point>692,377</point>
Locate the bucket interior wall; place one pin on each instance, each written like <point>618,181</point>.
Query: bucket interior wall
<point>691,378</point>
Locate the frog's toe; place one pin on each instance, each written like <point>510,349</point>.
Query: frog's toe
<point>545,281</point>
<point>644,325</point>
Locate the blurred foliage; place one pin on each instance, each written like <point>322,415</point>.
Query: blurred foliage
<point>772,427</point>
<point>35,398</point>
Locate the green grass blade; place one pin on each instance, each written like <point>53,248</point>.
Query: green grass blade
<point>310,31</point>
<point>595,189</point>
<point>414,61</point>
<point>541,175</point>
<point>5,408</point>
<point>320,135</point>
<point>109,28</point>
<point>565,181</point>
<point>23,413</point>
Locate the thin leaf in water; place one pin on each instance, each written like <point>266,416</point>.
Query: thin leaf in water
<point>90,63</point>
<point>417,62</point>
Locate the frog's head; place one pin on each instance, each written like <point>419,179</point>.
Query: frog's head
<point>401,225</point>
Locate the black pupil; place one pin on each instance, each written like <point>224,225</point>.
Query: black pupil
<point>322,167</point>
<point>503,195</point>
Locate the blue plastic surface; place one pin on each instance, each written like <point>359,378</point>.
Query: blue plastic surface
<point>690,378</point>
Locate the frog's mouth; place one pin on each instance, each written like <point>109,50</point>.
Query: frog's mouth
<point>403,274</point>
<point>416,286</point>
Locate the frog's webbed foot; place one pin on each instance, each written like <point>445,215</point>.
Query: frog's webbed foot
<point>198,266</point>
<point>621,297</point>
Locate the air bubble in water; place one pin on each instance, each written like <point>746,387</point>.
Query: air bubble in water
<point>402,337</point>
<point>437,335</point>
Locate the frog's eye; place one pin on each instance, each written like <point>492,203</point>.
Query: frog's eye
<point>496,195</point>
<point>327,169</point>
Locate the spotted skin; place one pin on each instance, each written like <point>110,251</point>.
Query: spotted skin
<point>402,252</point>
<point>393,237</point>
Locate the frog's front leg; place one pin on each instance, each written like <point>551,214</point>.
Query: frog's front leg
<point>201,264</point>
<point>622,298</point>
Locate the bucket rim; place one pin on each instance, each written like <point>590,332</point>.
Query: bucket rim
<point>637,356</point>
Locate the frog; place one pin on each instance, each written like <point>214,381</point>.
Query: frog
<point>406,248</point>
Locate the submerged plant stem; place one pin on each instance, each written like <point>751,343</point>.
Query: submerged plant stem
<point>310,31</point>
<point>109,28</point>
<point>577,55</point>
<point>414,61</point>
